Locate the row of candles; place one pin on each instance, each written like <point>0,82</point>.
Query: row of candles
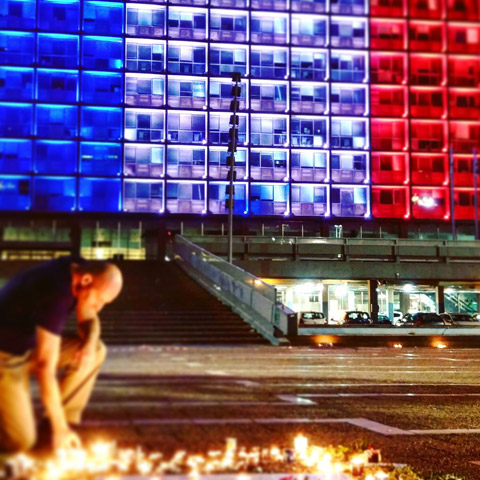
<point>106,460</point>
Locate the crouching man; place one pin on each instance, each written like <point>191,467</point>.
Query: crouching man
<point>34,307</point>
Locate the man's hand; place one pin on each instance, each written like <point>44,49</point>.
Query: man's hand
<point>84,355</point>
<point>66,439</point>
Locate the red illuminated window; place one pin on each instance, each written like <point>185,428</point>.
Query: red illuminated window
<point>428,102</point>
<point>464,204</point>
<point>463,168</point>
<point>464,104</point>
<point>389,134</point>
<point>427,36</point>
<point>388,68</point>
<point>430,203</point>
<point>428,136</point>
<point>463,10</point>
<point>388,101</point>
<point>427,9</point>
<point>428,169</point>
<point>388,8</point>
<point>463,38</point>
<point>464,136</point>
<point>388,202</point>
<point>388,34</point>
<point>464,71</point>
<point>427,69</point>
<point>389,168</point>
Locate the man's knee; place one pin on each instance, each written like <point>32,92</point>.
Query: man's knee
<point>19,442</point>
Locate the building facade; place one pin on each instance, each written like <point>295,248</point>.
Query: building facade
<point>350,109</point>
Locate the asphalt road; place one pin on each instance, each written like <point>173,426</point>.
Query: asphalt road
<point>419,406</point>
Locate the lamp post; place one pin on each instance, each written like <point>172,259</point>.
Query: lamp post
<point>232,148</point>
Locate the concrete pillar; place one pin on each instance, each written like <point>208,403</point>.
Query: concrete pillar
<point>404,302</point>
<point>390,300</point>
<point>325,300</point>
<point>373,299</point>
<point>440,298</point>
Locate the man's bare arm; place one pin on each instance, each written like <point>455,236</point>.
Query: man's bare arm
<point>46,361</point>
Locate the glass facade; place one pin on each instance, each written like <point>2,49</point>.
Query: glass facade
<point>348,108</point>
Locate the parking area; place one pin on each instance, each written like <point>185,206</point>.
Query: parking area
<point>419,406</point>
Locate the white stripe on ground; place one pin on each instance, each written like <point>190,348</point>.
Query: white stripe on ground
<point>448,431</point>
<point>377,427</point>
<point>386,394</point>
<point>308,385</point>
<point>296,399</point>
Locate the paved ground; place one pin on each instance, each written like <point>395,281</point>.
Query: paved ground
<point>420,406</point>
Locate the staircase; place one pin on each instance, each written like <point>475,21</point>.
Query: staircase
<point>161,305</point>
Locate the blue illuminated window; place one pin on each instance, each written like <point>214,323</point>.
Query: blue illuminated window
<point>348,99</point>
<point>348,67</point>
<point>308,30</point>
<point>144,161</point>
<point>309,200</point>
<point>349,201</point>
<point>268,199</point>
<point>349,7</point>
<point>217,163</point>
<point>185,162</point>
<point>309,65</point>
<point>187,92</point>
<point>309,98</point>
<point>269,4</point>
<point>58,51</point>
<point>228,26</point>
<point>59,15</point>
<point>348,32</point>
<point>144,90</point>
<point>101,123</point>
<point>229,3</point>
<point>56,121</point>
<point>185,127</point>
<point>349,133</point>
<point>55,194</point>
<point>349,167</point>
<point>269,63</point>
<point>309,165</point>
<point>16,120</point>
<point>184,58</point>
<point>15,156</point>
<point>189,2</point>
<point>226,59</point>
<point>100,158</point>
<point>219,127</point>
<point>309,6</point>
<point>102,88</point>
<point>268,97</point>
<point>268,131</point>
<point>16,83</point>
<point>53,157</point>
<point>145,21</point>
<point>144,125</point>
<point>268,164</point>
<point>17,48</point>
<point>15,193</point>
<point>143,196</point>
<point>187,24</point>
<point>145,56</point>
<point>309,132</point>
<point>183,197</point>
<point>102,53</point>
<point>217,194</point>
<point>57,85</point>
<point>18,14</point>
<point>269,28</point>
<point>99,194</point>
<point>221,94</point>
<point>105,18</point>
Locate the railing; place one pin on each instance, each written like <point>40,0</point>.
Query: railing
<point>247,295</point>
<point>302,248</point>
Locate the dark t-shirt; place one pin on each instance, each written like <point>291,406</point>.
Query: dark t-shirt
<point>38,297</point>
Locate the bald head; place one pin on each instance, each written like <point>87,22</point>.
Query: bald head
<point>96,283</point>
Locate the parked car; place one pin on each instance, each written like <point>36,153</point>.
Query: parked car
<point>476,317</point>
<point>423,319</point>
<point>307,319</point>
<point>356,318</point>
<point>397,317</point>
<point>463,319</point>
<point>383,320</point>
